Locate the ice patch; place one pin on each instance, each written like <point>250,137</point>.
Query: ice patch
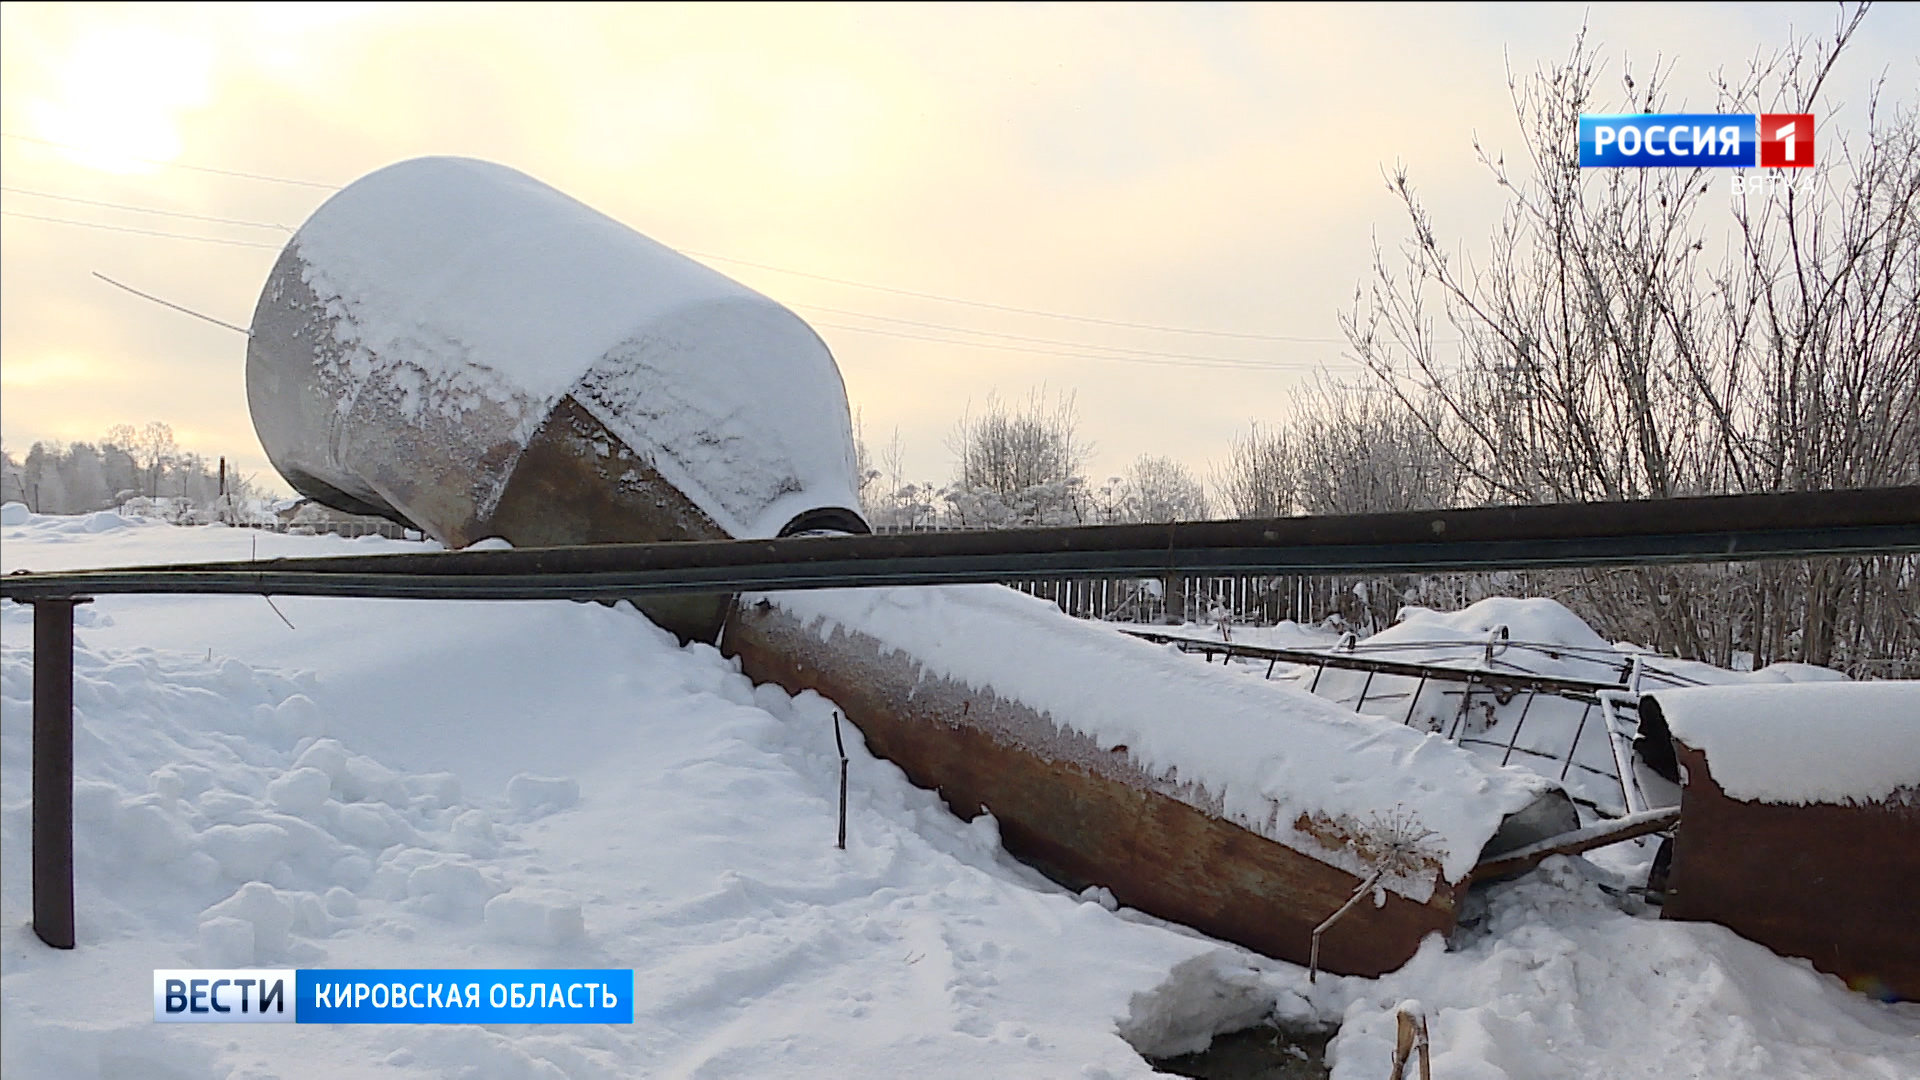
<point>1208,995</point>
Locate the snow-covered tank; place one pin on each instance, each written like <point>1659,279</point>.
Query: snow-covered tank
<point>455,345</point>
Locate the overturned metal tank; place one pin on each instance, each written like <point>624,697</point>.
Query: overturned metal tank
<point>456,346</point>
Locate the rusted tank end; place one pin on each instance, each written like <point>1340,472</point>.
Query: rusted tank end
<point>1082,815</point>
<point>1838,885</point>
<point>578,483</point>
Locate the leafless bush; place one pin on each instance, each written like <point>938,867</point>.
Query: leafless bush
<point>1020,466</point>
<point>1626,335</point>
<point>1154,489</point>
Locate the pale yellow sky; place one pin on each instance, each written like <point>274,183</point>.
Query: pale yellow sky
<point>1213,168</point>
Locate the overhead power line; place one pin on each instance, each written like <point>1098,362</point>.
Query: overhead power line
<point>1232,365</point>
<point>1003,307</point>
<point>1042,341</point>
<point>142,232</point>
<point>1143,355</point>
<point>177,164</point>
<point>145,209</point>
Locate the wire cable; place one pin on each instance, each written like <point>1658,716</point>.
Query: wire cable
<point>1021,337</point>
<point>142,232</point>
<point>1250,365</point>
<point>168,303</point>
<point>145,209</point>
<point>176,164</point>
<point>1010,308</point>
<point>1186,360</point>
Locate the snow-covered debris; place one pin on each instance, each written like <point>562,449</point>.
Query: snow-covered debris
<point>1559,984</point>
<point>1803,743</point>
<point>438,309</point>
<point>1269,753</point>
<point>1570,649</point>
<point>1541,636</point>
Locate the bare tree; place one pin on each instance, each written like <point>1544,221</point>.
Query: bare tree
<point>155,449</point>
<point>1624,336</point>
<point>1345,449</point>
<point>1159,489</point>
<point>1259,478</point>
<point>1356,453</point>
<point>1022,466</point>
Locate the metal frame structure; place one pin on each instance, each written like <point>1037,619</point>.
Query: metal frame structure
<point>1591,693</point>
<point>1713,529</point>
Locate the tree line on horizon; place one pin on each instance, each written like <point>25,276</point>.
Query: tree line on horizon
<point>128,463</point>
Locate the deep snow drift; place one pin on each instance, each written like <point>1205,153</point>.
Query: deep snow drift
<point>431,784</point>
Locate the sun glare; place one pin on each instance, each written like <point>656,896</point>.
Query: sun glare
<point>119,98</point>
<point>47,369</point>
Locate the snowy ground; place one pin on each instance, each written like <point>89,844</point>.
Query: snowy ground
<point>428,784</point>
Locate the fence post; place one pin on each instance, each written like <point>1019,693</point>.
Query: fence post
<point>53,770</point>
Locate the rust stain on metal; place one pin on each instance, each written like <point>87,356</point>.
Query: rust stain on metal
<point>1084,815</point>
<point>1836,884</point>
<point>578,483</point>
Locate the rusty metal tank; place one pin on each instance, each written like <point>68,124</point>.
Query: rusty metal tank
<point>457,346</point>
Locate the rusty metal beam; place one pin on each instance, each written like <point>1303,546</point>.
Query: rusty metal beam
<point>1084,815</point>
<point>1715,529</point>
<point>53,770</point>
<point>1597,835</point>
<point>1582,689</point>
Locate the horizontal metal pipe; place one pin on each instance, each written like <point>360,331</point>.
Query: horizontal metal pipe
<point>1714,529</point>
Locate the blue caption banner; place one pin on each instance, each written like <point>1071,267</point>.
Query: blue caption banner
<point>463,996</point>
<point>1669,140</point>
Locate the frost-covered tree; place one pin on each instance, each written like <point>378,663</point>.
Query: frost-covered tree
<point>82,477</point>
<point>1019,466</point>
<point>1344,449</point>
<point>1158,489</point>
<point>155,449</point>
<point>1259,478</point>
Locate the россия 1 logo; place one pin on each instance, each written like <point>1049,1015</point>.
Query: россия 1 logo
<point>1697,140</point>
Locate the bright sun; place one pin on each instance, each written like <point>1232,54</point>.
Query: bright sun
<point>119,97</point>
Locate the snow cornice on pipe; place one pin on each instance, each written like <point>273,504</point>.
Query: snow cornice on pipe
<point>1726,528</point>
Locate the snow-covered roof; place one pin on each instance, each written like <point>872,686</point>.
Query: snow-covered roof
<point>1801,743</point>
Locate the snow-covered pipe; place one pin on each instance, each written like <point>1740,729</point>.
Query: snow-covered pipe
<point>1246,809</point>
